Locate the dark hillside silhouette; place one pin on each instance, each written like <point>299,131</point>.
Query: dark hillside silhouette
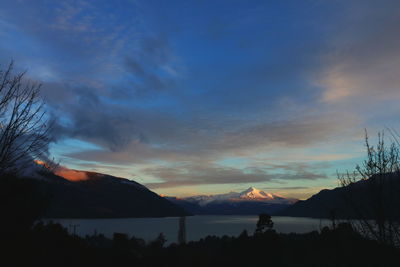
<point>101,196</point>
<point>322,204</point>
<point>22,202</point>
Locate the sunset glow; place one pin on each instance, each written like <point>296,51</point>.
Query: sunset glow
<point>200,133</point>
<point>187,101</point>
<point>71,175</point>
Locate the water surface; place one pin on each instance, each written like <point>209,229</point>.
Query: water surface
<point>196,226</point>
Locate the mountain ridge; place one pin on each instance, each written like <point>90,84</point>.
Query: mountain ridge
<point>347,202</point>
<point>97,195</point>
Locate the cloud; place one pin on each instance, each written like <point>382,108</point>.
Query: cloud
<point>362,59</point>
<point>196,174</point>
<point>145,81</point>
<point>167,139</point>
<point>103,103</point>
<point>148,86</point>
<point>286,188</point>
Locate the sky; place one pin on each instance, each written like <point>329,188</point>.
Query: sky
<point>204,97</point>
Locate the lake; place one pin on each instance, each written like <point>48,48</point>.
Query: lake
<point>197,227</point>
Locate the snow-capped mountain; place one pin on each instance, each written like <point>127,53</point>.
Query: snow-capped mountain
<point>248,202</point>
<point>250,194</point>
<point>253,193</point>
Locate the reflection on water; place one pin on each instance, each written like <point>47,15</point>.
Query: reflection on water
<point>196,226</point>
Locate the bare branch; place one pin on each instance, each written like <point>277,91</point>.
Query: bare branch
<point>24,129</point>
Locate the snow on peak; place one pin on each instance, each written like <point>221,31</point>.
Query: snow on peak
<point>254,193</point>
<point>250,194</point>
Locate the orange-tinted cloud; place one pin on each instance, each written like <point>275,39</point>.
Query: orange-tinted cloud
<point>42,163</point>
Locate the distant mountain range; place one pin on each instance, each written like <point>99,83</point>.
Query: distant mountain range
<point>80,194</point>
<point>249,202</point>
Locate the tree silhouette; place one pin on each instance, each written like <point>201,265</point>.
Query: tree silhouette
<point>23,125</point>
<point>378,213</point>
<point>264,223</point>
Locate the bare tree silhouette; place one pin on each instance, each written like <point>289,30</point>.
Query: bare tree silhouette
<point>376,200</point>
<point>24,128</point>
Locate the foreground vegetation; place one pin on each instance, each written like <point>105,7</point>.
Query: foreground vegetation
<point>52,245</point>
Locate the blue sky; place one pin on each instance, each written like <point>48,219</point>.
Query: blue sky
<point>192,97</point>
